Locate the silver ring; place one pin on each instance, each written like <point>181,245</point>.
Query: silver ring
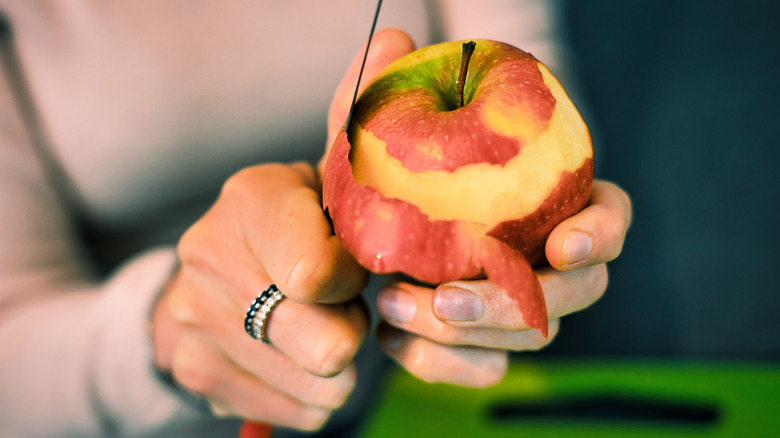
<point>259,311</point>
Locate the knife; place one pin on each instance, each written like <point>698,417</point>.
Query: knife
<point>363,65</point>
<point>253,429</point>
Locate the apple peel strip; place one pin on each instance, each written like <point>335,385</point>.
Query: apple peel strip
<point>509,270</point>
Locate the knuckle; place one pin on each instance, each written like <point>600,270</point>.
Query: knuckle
<point>491,371</point>
<point>610,233</point>
<point>627,207</point>
<point>313,419</point>
<point>237,184</point>
<point>445,334</point>
<point>183,309</point>
<point>333,393</point>
<point>247,181</point>
<point>312,274</point>
<point>304,169</point>
<point>191,243</point>
<point>312,271</point>
<point>473,367</point>
<point>192,373</point>
<point>575,290</point>
<point>199,247</point>
<point>415,360</point>
<point>596,281</point>
<point>301,195</point>
<point>604,217</point>
<point>333,354</point>
<point>320,272</point>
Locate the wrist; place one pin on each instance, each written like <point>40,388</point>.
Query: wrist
<point>164,334</point>
<point>164,331</point>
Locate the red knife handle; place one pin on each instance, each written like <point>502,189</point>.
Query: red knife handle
<point>251,429</point>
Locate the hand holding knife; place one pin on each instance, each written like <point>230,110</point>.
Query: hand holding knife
<point>252,429</point>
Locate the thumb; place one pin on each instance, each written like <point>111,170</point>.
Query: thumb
<point>386,46</point>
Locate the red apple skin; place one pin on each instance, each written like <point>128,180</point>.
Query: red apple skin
<point>528,235</point>
<point>405,112</point>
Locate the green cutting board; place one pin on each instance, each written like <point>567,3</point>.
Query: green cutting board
<point>602,398</point>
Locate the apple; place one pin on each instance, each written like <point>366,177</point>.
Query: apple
<point>457,164</point>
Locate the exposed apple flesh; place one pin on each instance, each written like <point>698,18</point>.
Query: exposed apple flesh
<point>441,192</point>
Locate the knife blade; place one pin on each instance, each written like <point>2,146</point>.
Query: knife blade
<point>363,65</point>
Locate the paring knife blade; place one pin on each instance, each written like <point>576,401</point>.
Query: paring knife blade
<point>363,65</point>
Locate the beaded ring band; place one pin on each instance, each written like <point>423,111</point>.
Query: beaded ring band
<point>259,311</point>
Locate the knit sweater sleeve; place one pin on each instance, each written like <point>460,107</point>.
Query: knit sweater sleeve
<point>75,354</point>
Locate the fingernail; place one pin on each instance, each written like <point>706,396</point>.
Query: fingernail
<point>455,304</point>
<point>396,305</point>
<point>576,247</point>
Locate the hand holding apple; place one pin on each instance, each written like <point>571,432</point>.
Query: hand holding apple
<point>460,331</point>
<point>265,227</point>
<point>442,192</point>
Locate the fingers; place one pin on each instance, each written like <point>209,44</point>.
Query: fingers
<point>306,371</point>
<point>567,292</point>
<point>435,362</point>
<point>481,320</point>
<point>459,333</point>
<point>386,46</point>
<point>320,338</point>
<point>323,339</point>
<point>451,333</point>
<point>596,234</point>
<point>482,304</point>
<point>480,314</point>
<point>231,391</point>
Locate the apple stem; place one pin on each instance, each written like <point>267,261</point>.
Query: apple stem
<point>468,50</point>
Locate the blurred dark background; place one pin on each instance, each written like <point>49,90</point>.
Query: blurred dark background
<point>684,99</point>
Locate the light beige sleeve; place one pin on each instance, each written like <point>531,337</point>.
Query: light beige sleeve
<point>74,350</point>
